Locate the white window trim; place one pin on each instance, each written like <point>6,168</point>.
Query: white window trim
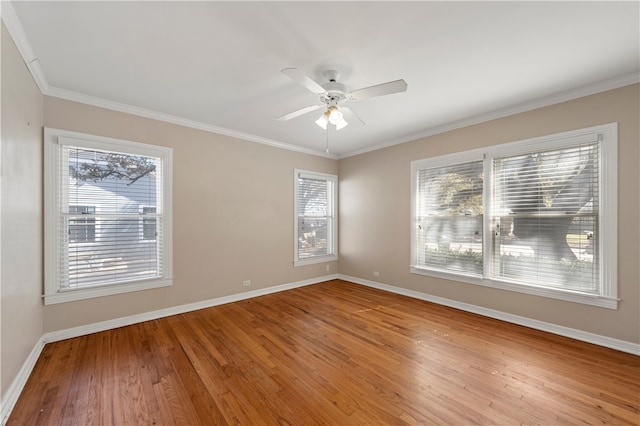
<point>607,134</point>
<point>334,213</point>
<point>52,294</point>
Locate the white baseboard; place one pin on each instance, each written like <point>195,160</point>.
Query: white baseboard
<point>10,397</point>
<point>83,330</point>
<point>620,345</point>
<point>13,392</point>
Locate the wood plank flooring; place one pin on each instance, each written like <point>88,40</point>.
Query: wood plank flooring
<point>334,353</point>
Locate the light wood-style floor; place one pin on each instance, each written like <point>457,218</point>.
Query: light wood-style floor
<point>333,353</point>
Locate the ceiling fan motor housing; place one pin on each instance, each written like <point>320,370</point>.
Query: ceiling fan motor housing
<point>332,98</point>
<point>336,92</point>
<point>332,94</point>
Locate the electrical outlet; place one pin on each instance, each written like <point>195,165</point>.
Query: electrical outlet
<point>246,283</point>
<point>376,273</point>
<point>328,268</point>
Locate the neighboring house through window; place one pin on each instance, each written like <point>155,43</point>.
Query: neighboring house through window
<point>92,252</point>
<point>82,229</point>
<point>535,216</point>
<point>316,202</point>
<point>149,223</point>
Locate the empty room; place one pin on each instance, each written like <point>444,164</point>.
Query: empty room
<point>337,213</point>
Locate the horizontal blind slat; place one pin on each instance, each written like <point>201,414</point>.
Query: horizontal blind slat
<point>546,217</point>
<point>449,228</point>
<point>110,218</point>
<point>314,215</point>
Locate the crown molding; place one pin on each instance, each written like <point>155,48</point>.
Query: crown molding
<point>11,21</point>
<point>168,118</point>
<point>557,98</point>
<point>569,95</point>
<point>10,18</point>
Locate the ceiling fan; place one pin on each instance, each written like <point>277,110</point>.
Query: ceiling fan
<point>333,94</point>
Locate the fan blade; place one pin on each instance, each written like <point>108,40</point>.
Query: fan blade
<point>299,112</point>
<point>378,90</point>
<point>297,76</point>
<point>350,114</point>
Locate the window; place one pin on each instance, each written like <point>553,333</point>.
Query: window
<point>95,192</point>
<point>535,216</point>
<point>82,229</point>
<point>450,217</point>
<point>316,236</point>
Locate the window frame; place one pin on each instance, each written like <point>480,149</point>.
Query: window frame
<point>431,163</point>
<point>53,294</point>
<point>607,136</point>
<point>332,245</point>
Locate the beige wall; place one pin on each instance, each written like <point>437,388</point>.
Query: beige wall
<point>232,214</point>
<point>374,212</point>
<point>21,214</point>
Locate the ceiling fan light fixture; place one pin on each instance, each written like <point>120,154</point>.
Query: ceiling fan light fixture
<point>341,124</point>
<point>323,121</point>
<point>335,116</point>
<point>333,94</point>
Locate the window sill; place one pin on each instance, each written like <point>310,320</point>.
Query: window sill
<point>107,290</point>
<point>314,260</point>
<point>552,293</point>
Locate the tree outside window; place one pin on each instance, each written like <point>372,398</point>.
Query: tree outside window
<point>536,214</point>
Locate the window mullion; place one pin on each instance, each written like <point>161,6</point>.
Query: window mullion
<point>549,216</point>
<point>488,245</point>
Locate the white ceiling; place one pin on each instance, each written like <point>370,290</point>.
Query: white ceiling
<point>216,65</point>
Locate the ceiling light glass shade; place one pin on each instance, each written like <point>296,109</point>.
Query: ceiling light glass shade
<point>323,121</point>
<point>335,116</point>
<point>341,124</point>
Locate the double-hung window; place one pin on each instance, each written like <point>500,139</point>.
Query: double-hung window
<point>97,193</point>
<point>316,230</point>
<point>535,216</point>
<point>449,216</point>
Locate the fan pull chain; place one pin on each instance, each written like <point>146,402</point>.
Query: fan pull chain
<point>327,150</point>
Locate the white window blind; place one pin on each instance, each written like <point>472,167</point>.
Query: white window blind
<point>83,228</point>
<point>545,216</point>
<point>316,222</point>
<point>449,218</point>
<point>116,184</point>
<point>106,219</point>
<point>535,216</point>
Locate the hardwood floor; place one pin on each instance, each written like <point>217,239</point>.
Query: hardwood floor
<point>332,353</point>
